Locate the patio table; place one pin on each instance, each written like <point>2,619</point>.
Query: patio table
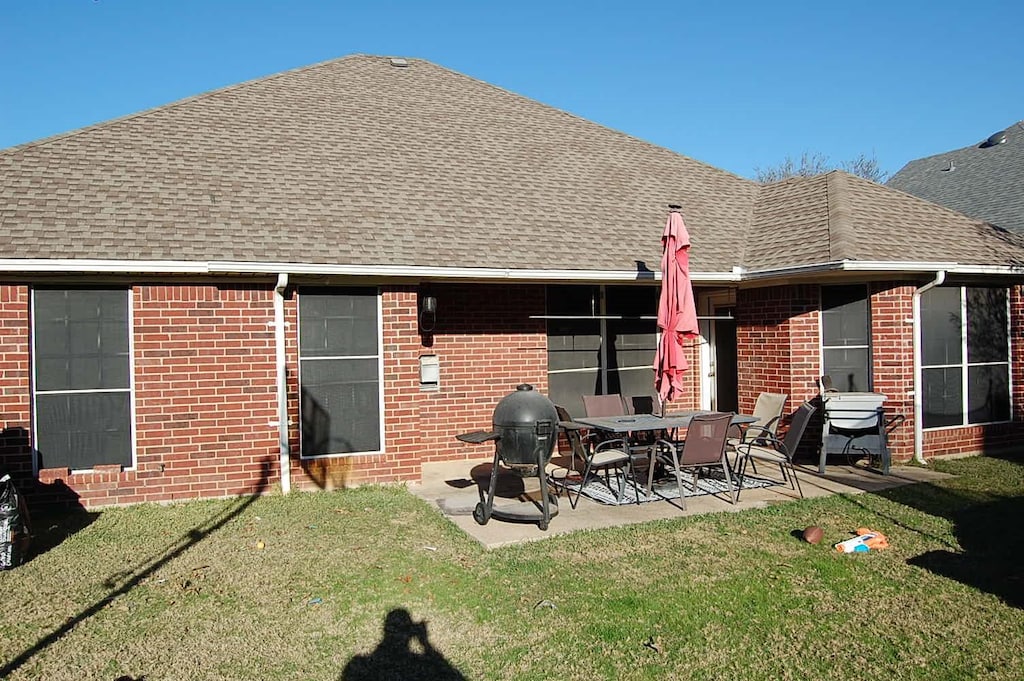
<point>641,423</point>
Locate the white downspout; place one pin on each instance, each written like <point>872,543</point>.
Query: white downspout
<point>282,382</point>
<point>940,277</point>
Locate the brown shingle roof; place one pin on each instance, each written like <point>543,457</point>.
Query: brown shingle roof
<point>355,161</point>
<point>358,162</point>
<point>838,216</point>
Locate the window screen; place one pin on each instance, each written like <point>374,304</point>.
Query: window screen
<point>846,333</point>
<point>339,371</point>
<point>599,347</point>
<point>82,374</point>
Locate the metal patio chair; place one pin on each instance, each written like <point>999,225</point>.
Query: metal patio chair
<point>704,447</point>
<point>768,409</point>
<point>596,456</point>
<point>774,450</point>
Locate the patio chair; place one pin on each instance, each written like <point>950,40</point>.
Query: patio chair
<point>774,450</point>
<point>704,447</point>
<point>604,405</point>
<point>596,456</point>
<point>768,409</point>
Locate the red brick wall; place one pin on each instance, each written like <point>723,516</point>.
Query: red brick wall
<point>779,351</point>
<point>205,377</point>
<point>15,372</point>
<point>204,396</point>
<point>892,354</point>
<point>778,346</point>
<point>486,344</point>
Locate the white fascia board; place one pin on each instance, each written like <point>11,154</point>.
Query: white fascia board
<point>899,267</point>
<point>65,265</point>
<point>426,272</point>
<point>62,265</point>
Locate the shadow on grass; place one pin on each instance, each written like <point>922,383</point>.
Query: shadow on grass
<point>396,657</point>
<point>58,517</point>
<point>989,554</point>
<point>129,579</point>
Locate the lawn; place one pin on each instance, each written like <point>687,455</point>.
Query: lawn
<point>375,583</point>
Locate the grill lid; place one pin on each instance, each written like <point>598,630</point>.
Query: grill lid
<point>524,407</point>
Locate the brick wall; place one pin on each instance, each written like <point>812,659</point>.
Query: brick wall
<point>892,356</point>
<point>486,343</point>
<point>15,451</point>
<point>778,346</point>
<point>205,375</point>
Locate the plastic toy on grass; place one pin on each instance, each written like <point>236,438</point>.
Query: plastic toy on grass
<point>866,540</point>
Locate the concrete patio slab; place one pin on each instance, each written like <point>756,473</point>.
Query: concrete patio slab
<point>455,487</point>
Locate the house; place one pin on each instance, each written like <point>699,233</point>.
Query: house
<point>983,180</point>
<point>318,278</point>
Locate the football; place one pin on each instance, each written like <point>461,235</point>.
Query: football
<point>813,534</point>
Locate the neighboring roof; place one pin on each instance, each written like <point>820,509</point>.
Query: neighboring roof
<point>391,169</point>
<point>984,180</point>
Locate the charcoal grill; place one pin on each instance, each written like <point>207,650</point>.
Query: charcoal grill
<point>524,432</point>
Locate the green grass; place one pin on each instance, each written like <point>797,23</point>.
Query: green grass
<point>182,592</point>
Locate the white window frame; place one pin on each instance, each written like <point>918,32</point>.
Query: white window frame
<point>965,366</point>
<point>380,375</point>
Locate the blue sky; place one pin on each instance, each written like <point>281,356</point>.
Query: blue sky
<point>739,85</point>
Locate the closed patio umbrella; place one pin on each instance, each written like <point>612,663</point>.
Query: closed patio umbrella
<point>677,313</point>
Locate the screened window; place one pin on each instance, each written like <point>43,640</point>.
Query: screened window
<point>965,368</point>
<point>846,337</point>
<point>81,377</point>
<point>339,371</point>
<point>600,340</point>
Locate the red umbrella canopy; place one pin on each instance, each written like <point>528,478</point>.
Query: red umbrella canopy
<point>677,313</point>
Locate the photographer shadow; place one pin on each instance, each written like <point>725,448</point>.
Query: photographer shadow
<point>397,657</point>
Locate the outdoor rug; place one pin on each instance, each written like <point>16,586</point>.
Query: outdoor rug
<point>666,488</point>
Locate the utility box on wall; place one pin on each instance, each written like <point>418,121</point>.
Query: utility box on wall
<point>430,372</point>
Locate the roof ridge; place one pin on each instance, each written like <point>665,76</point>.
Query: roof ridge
<point>175,103</point>
<point>837,212</point>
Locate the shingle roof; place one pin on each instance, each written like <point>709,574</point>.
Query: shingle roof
<point>356,161</point>
<point>985,181</point>
<point>838,216</point>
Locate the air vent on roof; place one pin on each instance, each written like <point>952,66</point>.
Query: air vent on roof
<point>397,61</point>
<point>997,138</point>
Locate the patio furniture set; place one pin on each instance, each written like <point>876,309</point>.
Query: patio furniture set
<point>612,438</point>
<point>626,445</point>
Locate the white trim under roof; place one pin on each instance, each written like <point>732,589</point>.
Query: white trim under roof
<point>65,265</point>
<point>881,266</point>
<point>737,275</point>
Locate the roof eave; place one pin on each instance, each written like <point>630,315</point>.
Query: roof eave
<point>881,267</point>
<point>85,266</point>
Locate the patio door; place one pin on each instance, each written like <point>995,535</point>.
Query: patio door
<point>601,340</point>
<point>723,360</point>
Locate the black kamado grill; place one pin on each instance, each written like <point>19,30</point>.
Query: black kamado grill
<point>525,429</point>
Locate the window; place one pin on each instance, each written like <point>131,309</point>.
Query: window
<point>339,371</point>
<point>600,340</point>
<point>846,334</point>
<point>965,367</point>
<point>81,377</point>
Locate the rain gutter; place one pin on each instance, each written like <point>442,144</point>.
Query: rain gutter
<point>282,382</point>
<point>736,275</point>
<point>940,277</point>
